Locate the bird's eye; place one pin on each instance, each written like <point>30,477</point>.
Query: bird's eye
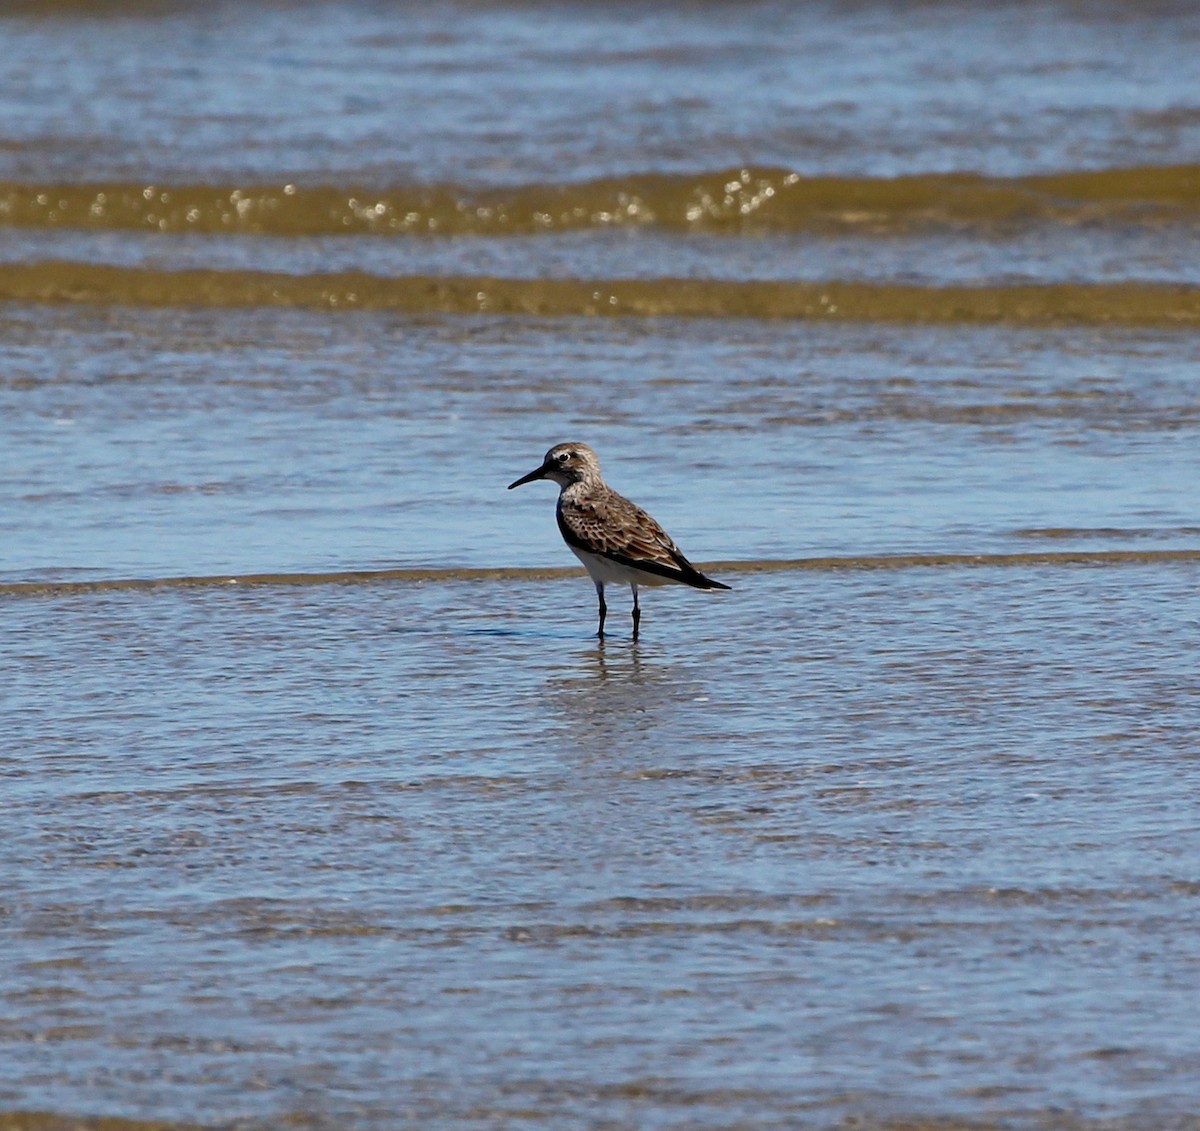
<point>562,457</point>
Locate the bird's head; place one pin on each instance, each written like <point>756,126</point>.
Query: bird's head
<point>564,464</point>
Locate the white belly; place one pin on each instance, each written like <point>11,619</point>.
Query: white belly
<point>606,571</point>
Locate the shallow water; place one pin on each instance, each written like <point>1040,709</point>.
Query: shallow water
<point>1167,253</point>
<point>1038,142</point>
<point>199,91</point>
<point>834,843</point>
<point>325,808</point>
<point>177,443</point>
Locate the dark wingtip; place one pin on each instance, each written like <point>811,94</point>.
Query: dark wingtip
<point>693,577</point>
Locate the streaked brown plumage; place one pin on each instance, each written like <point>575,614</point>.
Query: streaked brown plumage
<point>614,538</point>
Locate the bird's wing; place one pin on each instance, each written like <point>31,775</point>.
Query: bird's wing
<point>608,524</point>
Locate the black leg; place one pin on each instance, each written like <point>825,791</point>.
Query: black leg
<point>637,612</point>
<point>603,608</point>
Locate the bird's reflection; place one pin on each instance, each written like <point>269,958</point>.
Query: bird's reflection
<point>620,695</point>
<point>626,661</point>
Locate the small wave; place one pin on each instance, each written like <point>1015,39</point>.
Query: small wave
<point>732,200</point>
<point>1110,533</point>
<point>1130,304</point>
<point>553,573</point>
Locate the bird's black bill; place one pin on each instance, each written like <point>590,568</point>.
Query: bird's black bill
<point>536,473</point>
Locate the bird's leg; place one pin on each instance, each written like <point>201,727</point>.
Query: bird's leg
<point>637,612</point>
<point>603,608</point>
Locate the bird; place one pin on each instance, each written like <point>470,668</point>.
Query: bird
<point>614,538</point>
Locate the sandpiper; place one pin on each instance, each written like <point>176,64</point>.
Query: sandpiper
<point>615,539</point>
